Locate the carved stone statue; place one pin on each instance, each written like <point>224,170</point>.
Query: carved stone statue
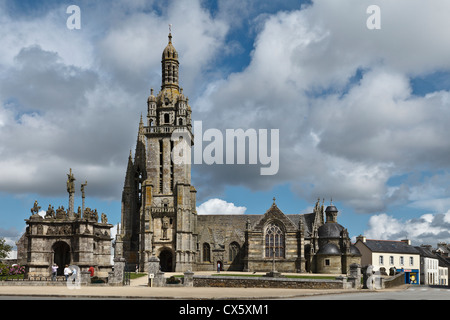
<point>78,213</point>
<point>70,182</point>
<point>104,219</point>
<point>165,226</point>
<point>50,212</point>
<point>36,208</point>
<point>61,213</point>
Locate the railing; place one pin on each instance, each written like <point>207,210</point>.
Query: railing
<point>163,209</point>
<point>166,129</point>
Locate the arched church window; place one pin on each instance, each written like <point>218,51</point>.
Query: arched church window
<point>274,241</point>
<point>206,252</point>
<point>233,251</point>
<point>166,118</point>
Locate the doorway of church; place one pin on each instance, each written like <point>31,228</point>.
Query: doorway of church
<point>61,256</point>
<point>166,260</point>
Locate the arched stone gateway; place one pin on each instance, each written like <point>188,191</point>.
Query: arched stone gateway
<point>166,260</point>
<point>61,255</point>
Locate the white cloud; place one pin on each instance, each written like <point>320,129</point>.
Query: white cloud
<point>427,229</point>
<point>70,100</point>
<point>342,98</point>
<point>73,98</point>
<point>218,206</point>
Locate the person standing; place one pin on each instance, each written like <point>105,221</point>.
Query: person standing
<point>67,272</point>
<point>54,271</point>
<point>91,270</point>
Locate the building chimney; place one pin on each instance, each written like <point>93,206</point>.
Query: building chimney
<point>361,238</point>
<point>407,241</point>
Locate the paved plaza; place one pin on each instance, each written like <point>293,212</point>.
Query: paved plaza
<point>139,289</point>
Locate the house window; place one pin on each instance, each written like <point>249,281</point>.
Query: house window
<point>411,261</point>
<point>402,262</point>
<point>206,252</point>
<point>391,260</point>
<point>381,260</point>
<point>274,241</point>
<point>327,262</point>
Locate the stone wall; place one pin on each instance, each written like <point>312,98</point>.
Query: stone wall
<point>263,282</point>
<point>394,281</point>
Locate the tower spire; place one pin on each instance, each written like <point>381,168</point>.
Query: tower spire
<point>170,65</point>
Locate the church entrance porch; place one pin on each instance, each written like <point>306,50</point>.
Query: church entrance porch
<point>166,260</point>
<point>61,256</point>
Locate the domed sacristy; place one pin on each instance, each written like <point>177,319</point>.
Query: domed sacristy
<point>330,230</point>
<point>331,213</point>
<point>329,249</point>
<point>335,252</point>
<point>355,251</point>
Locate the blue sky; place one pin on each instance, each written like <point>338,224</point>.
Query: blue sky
<point>362,114</point>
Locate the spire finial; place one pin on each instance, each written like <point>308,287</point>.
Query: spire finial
<point>170,33</point>
<point>274,200</point>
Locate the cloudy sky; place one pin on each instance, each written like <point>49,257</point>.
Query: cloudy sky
<point>362,113</point>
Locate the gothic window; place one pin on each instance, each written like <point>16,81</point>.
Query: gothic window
<point>274,241</point>
<point>166,118</point>
<point>233,251</point>
<point>180,121</point>
<point>206,252</point>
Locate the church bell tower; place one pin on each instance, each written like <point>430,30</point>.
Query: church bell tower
<point>158,202</point>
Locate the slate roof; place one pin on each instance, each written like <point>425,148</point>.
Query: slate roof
<point>425,252</point>
<point>238,221</point>
<point>390,246</point>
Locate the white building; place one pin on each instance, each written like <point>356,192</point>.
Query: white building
<point>443,275</point>
<point>429,266</point>
<point>386,255</point>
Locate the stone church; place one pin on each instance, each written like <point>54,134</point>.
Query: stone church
<point>159,217</point>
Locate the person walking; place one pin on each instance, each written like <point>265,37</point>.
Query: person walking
<point>74,273</point>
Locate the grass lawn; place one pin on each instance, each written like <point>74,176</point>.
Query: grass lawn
<point>134,275</point>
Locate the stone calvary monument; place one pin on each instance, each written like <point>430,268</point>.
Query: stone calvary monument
<point>66,237</point>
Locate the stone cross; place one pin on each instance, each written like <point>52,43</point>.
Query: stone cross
<point>71,191</point>
<point>82,195</point>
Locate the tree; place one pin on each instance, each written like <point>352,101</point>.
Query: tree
<point>5,248</point>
